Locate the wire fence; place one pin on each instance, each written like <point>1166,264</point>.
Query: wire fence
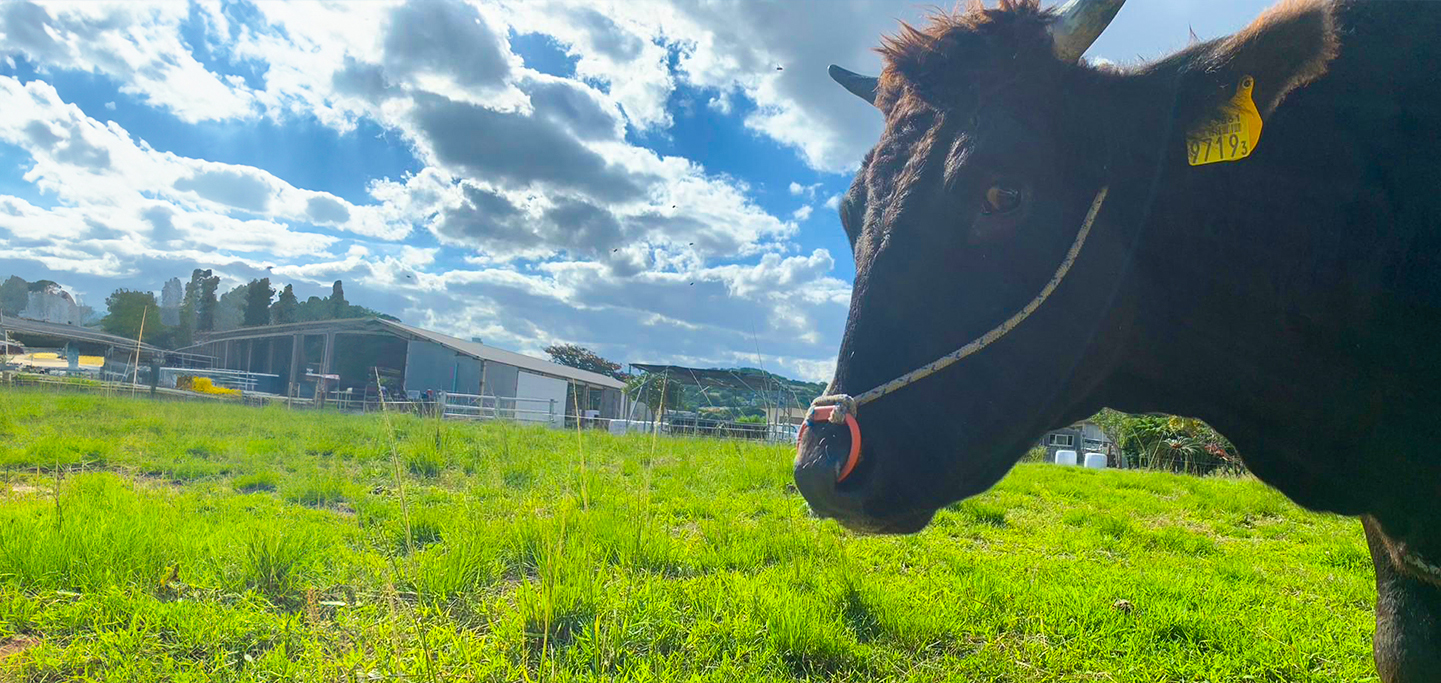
<point>455,406</point>
<point>512,408</point>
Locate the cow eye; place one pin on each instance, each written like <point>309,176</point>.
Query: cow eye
<point>1000,199</point>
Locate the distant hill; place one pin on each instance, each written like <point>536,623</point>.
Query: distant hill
<point>789,392</point>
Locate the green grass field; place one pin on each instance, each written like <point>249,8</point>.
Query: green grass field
<point>218,542</point>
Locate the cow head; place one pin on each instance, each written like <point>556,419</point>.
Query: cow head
<point>997,139</point>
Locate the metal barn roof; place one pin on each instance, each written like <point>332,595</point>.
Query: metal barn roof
<point>519,360</point>
<point>74,332</point>
<point>382,326</point>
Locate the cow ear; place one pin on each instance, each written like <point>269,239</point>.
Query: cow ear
<point>1285,48</point>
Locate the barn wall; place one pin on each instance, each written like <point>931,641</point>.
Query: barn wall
<point>432,366</point>
<point>500,379</point>
<point>534,386</point>
<point>610,403</point>
<point>467,377</point>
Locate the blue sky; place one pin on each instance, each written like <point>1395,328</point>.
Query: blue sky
<point>651,178</point>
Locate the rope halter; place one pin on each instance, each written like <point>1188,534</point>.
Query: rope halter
<point>839,409</point>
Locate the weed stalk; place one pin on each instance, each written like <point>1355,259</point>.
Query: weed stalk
<point>409,544</point>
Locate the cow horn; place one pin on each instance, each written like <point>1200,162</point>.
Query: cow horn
<point>1079,23</point>
<point>863,87</point>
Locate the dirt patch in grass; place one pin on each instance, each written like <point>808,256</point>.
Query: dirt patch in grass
<point>151,480</point>
<point>25,489</point>
<point>16,645</point>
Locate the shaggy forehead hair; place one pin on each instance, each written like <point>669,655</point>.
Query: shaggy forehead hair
<point>941,73</point>
<point>961,50</point>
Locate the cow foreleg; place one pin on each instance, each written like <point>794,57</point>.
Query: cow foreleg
<point>1407,644</point>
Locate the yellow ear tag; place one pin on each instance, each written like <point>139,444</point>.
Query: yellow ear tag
<point>1233,133</point>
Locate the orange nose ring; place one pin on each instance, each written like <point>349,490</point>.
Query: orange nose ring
<point>822,414</point>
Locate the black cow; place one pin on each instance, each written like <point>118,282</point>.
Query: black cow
<point>1265,255</point>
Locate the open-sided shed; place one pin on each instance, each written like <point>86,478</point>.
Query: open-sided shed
<point>120,353</point>
<point>351,354</point>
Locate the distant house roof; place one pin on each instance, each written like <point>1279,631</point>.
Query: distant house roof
<point>1081,428</point>
<point>382,326</point>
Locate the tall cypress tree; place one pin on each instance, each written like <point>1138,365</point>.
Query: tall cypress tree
<point>286,308</point>
<point>339,307</point>
<point>206,302</point>
<point>257,303</point>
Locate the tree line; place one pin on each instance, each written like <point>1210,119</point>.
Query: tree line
<point>193,307</point>
<point>187,308</point>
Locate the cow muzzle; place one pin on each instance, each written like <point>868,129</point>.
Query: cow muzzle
<point>867,487</point>
<point>821,457</point>
<point>826,456</point>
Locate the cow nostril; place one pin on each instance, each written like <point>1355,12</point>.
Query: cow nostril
<point>819,445</point>
<point>825,456</point>
<point>823,419</point>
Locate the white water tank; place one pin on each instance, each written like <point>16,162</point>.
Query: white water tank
<point>1096,461</point>
<point>1065,457</point>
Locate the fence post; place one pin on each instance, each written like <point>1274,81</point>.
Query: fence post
<point>552,413</point>
<point>155,363</point>
<point>441,400</point>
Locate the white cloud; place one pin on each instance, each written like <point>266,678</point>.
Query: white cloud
<point>137,44</point>
<point>720,104</point>
<point>739,44</point>
<point>808,191</point>
<point>86,162</point>
<point>749,48</point>
<point>802,214</point>
<point>617,43</point>
<point>834,202</point>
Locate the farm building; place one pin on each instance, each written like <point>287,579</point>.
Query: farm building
<point>349,358</point>
<point>75,349</point>
<point>1082,437</point>
<point>41,334</point>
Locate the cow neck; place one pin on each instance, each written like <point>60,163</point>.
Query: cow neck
<point>846,404</point>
